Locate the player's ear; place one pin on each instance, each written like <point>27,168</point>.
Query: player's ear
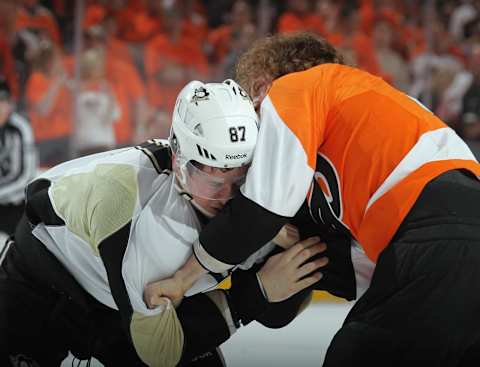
<point>260,84</point>
<point>259,90</point>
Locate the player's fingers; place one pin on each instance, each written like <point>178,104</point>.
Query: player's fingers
<point>307,282</point>
<point>302,245</point>
<point>308,252</point>
<point>154,300</point>
<point>311,267</point>
<point>153,295</point>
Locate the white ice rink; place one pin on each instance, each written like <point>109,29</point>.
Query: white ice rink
<point>303,343</point>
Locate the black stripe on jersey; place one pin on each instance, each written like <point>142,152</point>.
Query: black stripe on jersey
<point>112,250</point>
<point>38,206</point>
<point>158,153</point>
<point>242,224</point>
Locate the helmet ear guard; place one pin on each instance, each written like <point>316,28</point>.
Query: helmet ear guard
<point>172,140</point>
<point>179,162</point>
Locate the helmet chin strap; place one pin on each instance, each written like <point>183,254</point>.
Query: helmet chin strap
<point>186,195</point>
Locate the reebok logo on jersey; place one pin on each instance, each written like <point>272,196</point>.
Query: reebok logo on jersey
<point>236,156</point>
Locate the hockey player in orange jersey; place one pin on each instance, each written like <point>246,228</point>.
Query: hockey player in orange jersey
<point>342,152</point>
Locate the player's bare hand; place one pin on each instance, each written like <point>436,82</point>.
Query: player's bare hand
<point>157,293</point>
<point>287,273</point>
<point>174,288</point>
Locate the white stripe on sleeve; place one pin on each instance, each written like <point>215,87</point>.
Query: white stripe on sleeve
<point>280,176</point>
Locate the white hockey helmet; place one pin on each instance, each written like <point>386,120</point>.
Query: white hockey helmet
<point>214,124</point>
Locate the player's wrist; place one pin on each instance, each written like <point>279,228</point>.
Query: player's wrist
<point>189,274</point>
<point>260,285</point>
<point>246,295</point>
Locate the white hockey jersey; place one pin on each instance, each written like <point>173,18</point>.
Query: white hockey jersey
<point>163,223</point>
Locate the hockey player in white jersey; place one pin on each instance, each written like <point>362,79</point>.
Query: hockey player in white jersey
<point>99,229</point>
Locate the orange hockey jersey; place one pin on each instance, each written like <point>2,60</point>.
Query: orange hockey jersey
<point>358,149</point>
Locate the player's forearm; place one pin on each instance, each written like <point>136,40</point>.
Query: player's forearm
<point>175,287</point>
<point>189,273</point>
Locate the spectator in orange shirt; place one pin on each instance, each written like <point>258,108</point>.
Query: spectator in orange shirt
<point>126,81</point>
<point>140,20</point>
<point>171,59</point>
<point>389,60</point>
<point>366,12</point>
<point>240,42</point>
<point>360,43</point>
<point>219,39</point>
<point>342,27</point>
<point>37,18</point>
<point>100,24</point>
<point>194,19</point>
<point>49,105</point>
<point>101,31</point>
<point>370,11</point>
<point>327,13</point>
<point>228,40</point>
<point>96,105</point>
<point>295,17</point>
<point>392,12</point>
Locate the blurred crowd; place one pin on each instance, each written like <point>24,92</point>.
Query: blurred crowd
<point>92,75</point>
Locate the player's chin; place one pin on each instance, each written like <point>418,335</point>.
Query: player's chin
<point>215,207</point>
<point>214,210</point>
